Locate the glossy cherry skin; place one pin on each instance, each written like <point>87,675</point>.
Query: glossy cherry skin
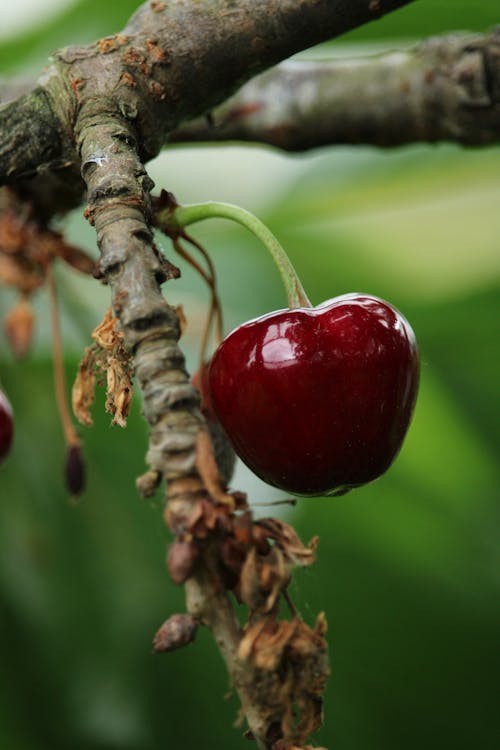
<point>6,426</point>
<point>317,401</point>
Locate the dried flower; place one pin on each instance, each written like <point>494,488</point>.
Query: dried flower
<point>107,356</point>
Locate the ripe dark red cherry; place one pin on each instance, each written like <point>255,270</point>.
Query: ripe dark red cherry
<point>317,401</point>
<point>6,426</point>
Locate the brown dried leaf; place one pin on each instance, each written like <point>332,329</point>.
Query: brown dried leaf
<point>274,577</point>
<point>108,356</point>
<point>18,326</point>
<point>83,388</point>
<point>264,643</point>
<point>296,657</point>
<point>107,335</point>
<point>288,540</point>
<point>119,391</point>
<point>250,638</point>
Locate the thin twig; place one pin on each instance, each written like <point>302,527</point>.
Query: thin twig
<point>60,384</point>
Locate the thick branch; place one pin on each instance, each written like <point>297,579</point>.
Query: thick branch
<point>447,89</point>
<point>29,135</point>
<point>212,47</point>
<point>175,61</point>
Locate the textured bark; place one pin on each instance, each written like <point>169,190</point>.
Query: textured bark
<point>29,135</point>
<point>447,89</point>
<point>177,60</point>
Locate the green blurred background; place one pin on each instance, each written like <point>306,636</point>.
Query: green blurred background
<point>408,568</point>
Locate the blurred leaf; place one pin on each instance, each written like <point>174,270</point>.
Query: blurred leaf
<point>421,224</point>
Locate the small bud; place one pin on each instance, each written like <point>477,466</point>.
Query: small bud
<point>181,560</point>
<point>74,471</point>
<point>176,632</point>
<point>18,326</point>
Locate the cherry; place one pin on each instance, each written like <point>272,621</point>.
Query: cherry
<point>6,426</point>
<point>318,400</point>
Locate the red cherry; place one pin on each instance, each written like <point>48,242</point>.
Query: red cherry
<point>6,426</point>
<point>317,401</point>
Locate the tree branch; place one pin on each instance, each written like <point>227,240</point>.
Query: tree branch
<point>30,135</point>
<point>176,61</point>
<point>446,89</point>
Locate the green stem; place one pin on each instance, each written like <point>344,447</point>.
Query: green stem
<point>182,216</point>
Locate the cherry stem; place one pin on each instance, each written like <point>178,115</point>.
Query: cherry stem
<point>215,307</point>
<point>59,376</point>
<point>182,216</point>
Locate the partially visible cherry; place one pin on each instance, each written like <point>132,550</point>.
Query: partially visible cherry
<point>317,401</point>
<point>6,426</point>
<point>223,450</point>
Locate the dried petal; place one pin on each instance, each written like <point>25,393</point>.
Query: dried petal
<point>107,334</point>
<point>263,578</point>
<point>296,656</point>
<point>264,642</point>
<point>119,391</point>
<point>287,539</point>
<point>108,356</point>
<point>84,387</point>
